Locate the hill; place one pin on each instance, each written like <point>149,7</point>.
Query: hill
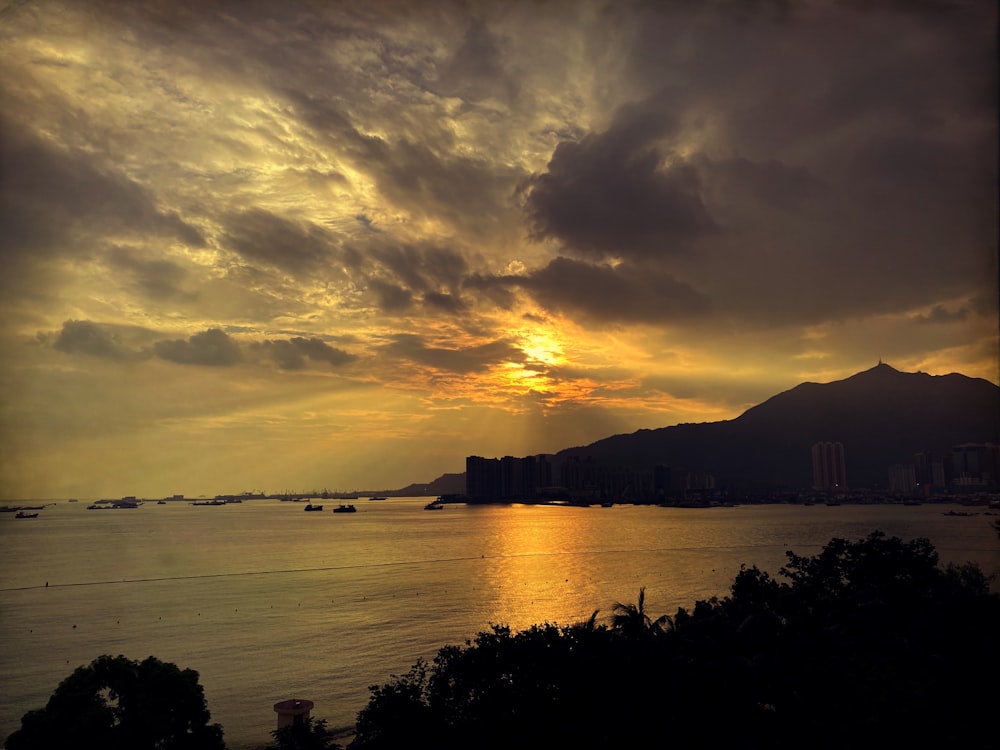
<point>882,416</point>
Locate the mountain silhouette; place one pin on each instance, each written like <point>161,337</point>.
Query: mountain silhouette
<point>881,416</point>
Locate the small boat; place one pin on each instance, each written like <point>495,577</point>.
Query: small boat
<point>434,506</point>
<point>377,497</point>
<point>345,509</point>
<point>22,514</point>
<point>310,506</point>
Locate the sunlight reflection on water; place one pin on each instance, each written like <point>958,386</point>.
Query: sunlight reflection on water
<point>267,602</point>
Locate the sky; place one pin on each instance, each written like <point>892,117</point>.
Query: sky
<point>280,246</point>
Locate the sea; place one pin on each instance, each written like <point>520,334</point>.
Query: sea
<point>268,602</point>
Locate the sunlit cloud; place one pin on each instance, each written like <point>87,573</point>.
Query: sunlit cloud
<point>445,229</point>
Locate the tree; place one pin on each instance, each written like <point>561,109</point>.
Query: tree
<point>117,704</point>
<point>632,619</point>
<point>311,734</point>
<point>870,640</point>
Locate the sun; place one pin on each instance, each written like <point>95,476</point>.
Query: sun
<point>543,348</point>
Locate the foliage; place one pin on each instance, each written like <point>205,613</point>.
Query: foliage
<point>311,734</point>
<point>117,704</point>
<point>632,620</point>
<point>869,642</point>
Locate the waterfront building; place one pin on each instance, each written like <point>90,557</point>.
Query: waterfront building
<point>829,466</point>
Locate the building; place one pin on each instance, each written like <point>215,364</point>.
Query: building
<point>507,478</point>
<point>976,464</point>
<point>292,711</point>
<point>829,466</point>
<point>902,479</point>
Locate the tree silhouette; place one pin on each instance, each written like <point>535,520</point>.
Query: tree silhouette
<point>117,704</point>
<point>632,620</point>
<point>869,640</point>
<point>311,734</point>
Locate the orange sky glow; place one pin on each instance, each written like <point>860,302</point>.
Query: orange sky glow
<point>290,246</point>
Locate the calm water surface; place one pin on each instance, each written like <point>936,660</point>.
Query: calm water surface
<point>268,602</point>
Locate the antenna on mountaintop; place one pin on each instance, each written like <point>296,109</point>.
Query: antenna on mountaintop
<point>880,360</point>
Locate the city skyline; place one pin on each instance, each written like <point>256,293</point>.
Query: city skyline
<point>260,245</point>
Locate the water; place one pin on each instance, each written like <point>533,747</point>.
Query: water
<point>268,602</point>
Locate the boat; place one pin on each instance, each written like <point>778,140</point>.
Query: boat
<point>310,506</point>
<point>114,504</point>
<point>22,514</point>
<point>209,502</point>
<point>436,505</point>
<point>377,497</point>
<point>345,509</point>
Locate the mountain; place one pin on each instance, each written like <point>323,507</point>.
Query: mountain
<point>881,416</point>
<point>446,484</point>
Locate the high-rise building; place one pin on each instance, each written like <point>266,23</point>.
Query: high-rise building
<point>902,479</point>
<point>829,466</point>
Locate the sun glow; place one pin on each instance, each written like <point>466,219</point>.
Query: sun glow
<point>543,348</point>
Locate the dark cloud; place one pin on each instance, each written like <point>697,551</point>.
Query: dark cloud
<point>769,184</point>
<point>419,268</point>
<point>49,193</point>
<point>397,274</point>
<point>437,180</point>
<point>261,236</point>
<point>448,303</point>
<point>94,339</point>
<point>620,192</point>
<point>416,166</point>
<point>158,279</point>
<point>211,348</point>
<point>477,69</point>
<point>391,298</point>
<point>627,292</point>
<point>467,360</point>
<point>293,353</point>
<point>941,314</point>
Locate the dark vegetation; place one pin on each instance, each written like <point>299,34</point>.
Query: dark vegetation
<point>117,704</point>
<point>311,734</point>
<point>867,644</point>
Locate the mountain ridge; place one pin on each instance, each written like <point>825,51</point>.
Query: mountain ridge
<point>881,415</point>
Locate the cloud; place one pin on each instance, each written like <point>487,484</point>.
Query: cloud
<point>461,360</point>
<point>941,314</point>
<point>212,348</point>
<point>159,279</point>
<point>391,298</point>
<point>51,197</point>
<point>601,293</point>
<point>620,193</point>
<point>292,354</point>
<point>262,236</point>
<point>449,303</point>
<point>94,339</point>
